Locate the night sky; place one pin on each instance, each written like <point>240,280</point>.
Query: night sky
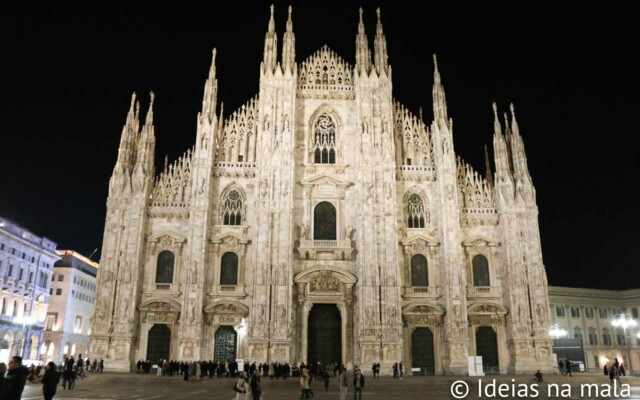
<point>67,72</point>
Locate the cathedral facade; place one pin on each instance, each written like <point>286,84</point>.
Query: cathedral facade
<point>322,221</point>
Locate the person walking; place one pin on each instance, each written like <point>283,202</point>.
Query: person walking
<point>242,386</point>
<point>256,388</point>
<point>16,379</point>
<point>358,385</point>
<point>567,365</point>
<point>344,383</point>
<point>304,385</point>
<point>50,381</point>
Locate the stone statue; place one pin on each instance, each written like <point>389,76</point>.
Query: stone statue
<point>194,272</point>
<point>304,229</point>
<point>349,232</point>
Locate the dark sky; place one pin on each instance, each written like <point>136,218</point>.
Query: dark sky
<point>67,70</point>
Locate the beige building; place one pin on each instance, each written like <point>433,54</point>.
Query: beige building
<point>323,221</point>
<point>73,291</point>
<point>588,314</point>
<point>26,264</point>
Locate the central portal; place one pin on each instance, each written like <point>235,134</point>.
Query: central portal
<point>325,334</point>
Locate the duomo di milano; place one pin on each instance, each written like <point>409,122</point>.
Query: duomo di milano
<point>322,221</point>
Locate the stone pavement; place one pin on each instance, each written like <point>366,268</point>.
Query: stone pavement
<point>108,386</point>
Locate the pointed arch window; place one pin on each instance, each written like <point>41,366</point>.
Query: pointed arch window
<point>232,212</point>
<point>419,272</point>
<point>229,269</point>
<point>480,271</point>
<point>416,214</point>
<point>324,140</point>
<point>164,267</point>
<point>324,222</point>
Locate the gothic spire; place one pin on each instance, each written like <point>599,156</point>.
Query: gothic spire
<point>146,145</point>
<point>128,137</point>
<point>270,55</point>
<point>380,48</point>
<point>517,147</point>
<point>439,100</point>
<point>500,151</point>
<point>289,46</point>
<point>363,54</point>
<point>210,92</point>
<point>487,167</point>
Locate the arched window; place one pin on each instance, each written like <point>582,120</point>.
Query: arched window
<point>324,221</point>
<point>4,306</point>
<point>416,215</point>
<point>15,308</point>
<point>324,140</point>
<point>229,269</point>
<point>419,273</point>
<point>164,267</point>
<point>480,271</point>
<point>232,212</point>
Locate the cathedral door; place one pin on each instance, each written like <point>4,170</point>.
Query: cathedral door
<point>226,343</point>
<point>422,351</point>
<point>159,343</point>
<point>325,334</point>
<point>487,347</point>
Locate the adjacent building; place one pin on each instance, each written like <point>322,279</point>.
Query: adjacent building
<point>26,265</point>
<point>73,292</point>
<point>588,315</point>
<point>323,221</point>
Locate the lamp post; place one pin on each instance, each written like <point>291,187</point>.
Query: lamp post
<point>625,321</point>
<point>26,322</point>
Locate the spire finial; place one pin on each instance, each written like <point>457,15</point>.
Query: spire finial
<point>166,162</point>
<point>290,12</point>
<point>272,22</point>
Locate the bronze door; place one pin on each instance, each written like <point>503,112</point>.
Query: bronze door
<point>159,343</point>
<point>325,334</point>
<point>487,347</point>
<point>225,345</point>
<point>422,351</point>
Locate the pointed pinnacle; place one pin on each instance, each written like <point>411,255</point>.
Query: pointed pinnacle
<point>212,69</point>
<point>149,119</point>
<point>272,23</point>
<point>361,23</point>
<point>289,20</point>
<point>436,72</point>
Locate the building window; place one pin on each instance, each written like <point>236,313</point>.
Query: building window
<point>31,277</point>
<point>577,333</point>
<point>634,312</point>
<point>51,320</point>
<point>60,278</point>
<point>593,338</point>
<point>232,213</point>
<point>229,269</point>
<point>324,221</point>
<point>164,267</point>
<point>1,246</point>
<point>20,274</point>
<point>58,292</point>
<point>606,338</point>
<point>596,361</point>
<point>78,325</point>
<point>15,308</point>
<point>621,339</point>
<point>480,270</point>
<point>575,312</point>
<point>559,311</point>
<point>324,140</point>
<point>416,214</point>
<point>10,273</point>
<point>4,306</point>
<point>603,312</point>
<point>588,312</point>
<point>419,272</point>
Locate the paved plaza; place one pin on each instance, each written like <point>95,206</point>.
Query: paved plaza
<point>145,387</point>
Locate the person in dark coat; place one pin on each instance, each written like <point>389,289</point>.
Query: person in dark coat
<point>16,379</point>
<point>3,380</point>
<point>358,384</point>
<point>50,381</point>
<point>256,388</point>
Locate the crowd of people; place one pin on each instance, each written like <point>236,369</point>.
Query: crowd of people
<point>17,375</point>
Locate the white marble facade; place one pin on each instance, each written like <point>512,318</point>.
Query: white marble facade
<point>323,144</point>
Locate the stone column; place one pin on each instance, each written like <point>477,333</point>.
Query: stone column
<point>342,307</point>
<point>306,309</point>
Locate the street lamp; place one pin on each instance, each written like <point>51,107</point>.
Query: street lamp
<point>557,332</point>
<point>625,321</point>
<point>26,322</point>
